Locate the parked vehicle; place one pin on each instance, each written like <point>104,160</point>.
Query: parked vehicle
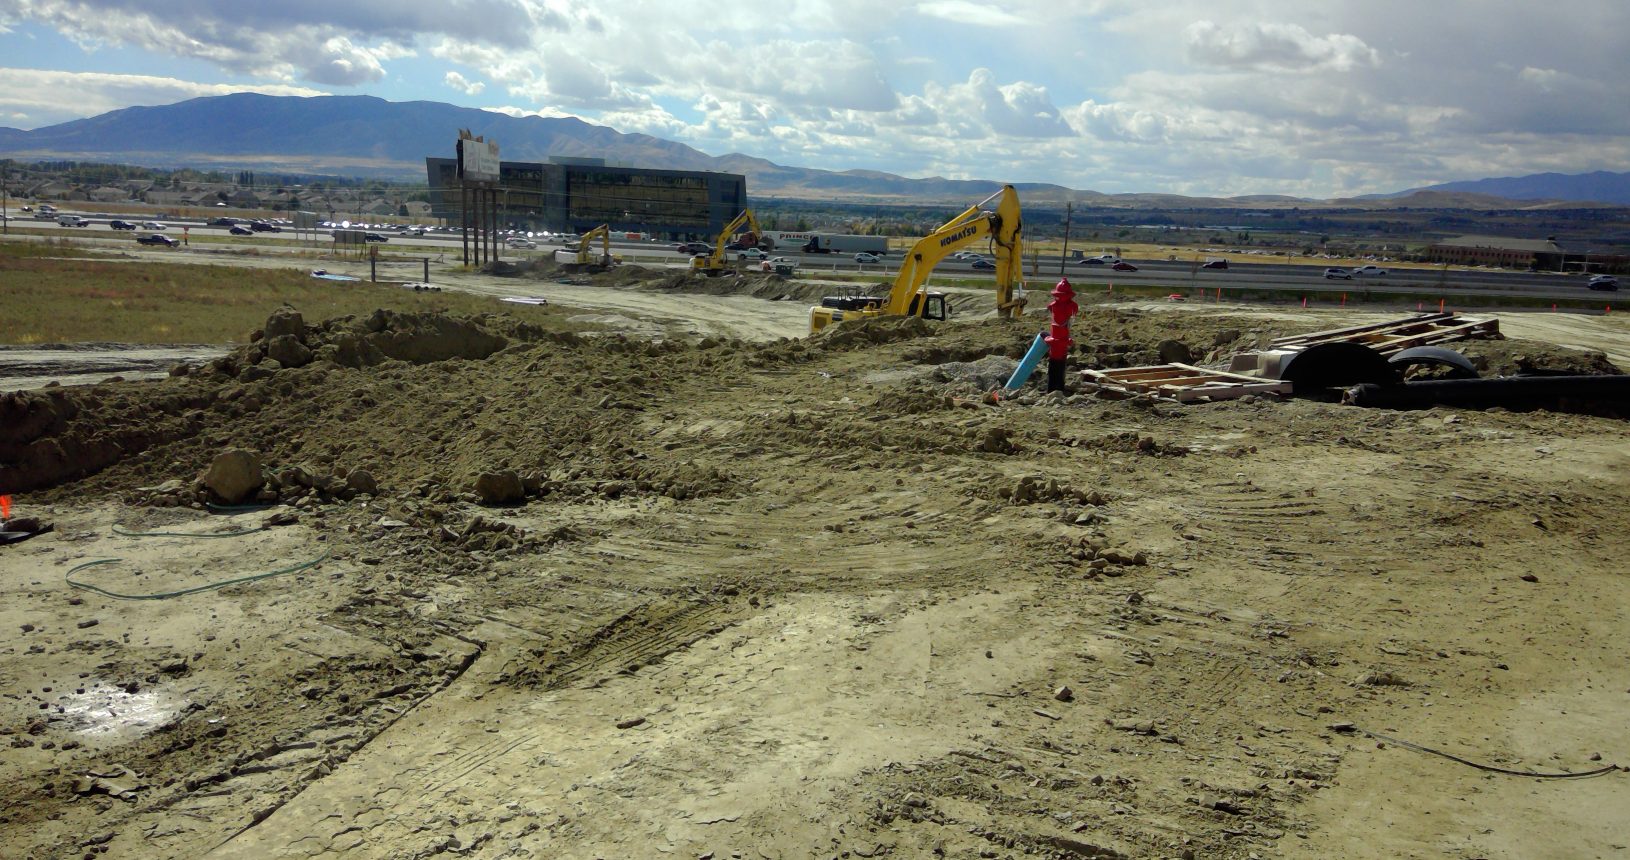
<point>121,225</point>
<point>1334,273</point>
<point>1370,271</point>
<point>157,239</point>
<point>1123,266</point>
<point>865,258</point>
<point>1603,282</point>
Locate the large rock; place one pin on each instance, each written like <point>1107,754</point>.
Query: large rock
<point>288,351</point>
<point>1174,352</point>
<point>286,321</point>
<point>500,488</point>
<point>362,481</point>
<point>234,476</point>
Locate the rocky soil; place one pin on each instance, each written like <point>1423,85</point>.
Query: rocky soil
<point>502,592</point>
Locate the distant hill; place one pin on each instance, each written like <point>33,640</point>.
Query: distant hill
<point>368,136</point>
<point>1600,186</point>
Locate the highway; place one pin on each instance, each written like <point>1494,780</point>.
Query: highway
<point>1165,274</point>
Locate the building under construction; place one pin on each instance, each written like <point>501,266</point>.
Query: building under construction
<point>573,195</point>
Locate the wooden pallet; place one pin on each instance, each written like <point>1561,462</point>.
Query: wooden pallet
<point>1397,335</point>
<point>1183,383</point>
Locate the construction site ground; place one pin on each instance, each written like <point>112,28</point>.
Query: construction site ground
<point>779,597</point>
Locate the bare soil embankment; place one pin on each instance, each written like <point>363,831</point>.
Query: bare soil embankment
<point>802,598</point>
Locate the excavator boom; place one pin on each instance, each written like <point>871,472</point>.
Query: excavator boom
<point>1002,227</point>
<point>714,263</point>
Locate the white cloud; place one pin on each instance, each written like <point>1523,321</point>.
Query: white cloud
<point>460,83</point>
<point>1275,47</point>
<point>967,12</point>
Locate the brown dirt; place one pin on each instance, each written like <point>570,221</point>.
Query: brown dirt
<point>805,598</point>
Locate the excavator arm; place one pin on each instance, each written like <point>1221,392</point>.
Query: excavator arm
<point>581,257</point>
<point>713,263</point>
<point>907,297</point>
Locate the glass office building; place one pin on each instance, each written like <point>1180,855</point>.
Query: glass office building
<point>574,195</point>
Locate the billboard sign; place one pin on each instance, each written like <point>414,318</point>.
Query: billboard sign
<point>477,160</point>
<point>350,237</point>
<point>305,220</point>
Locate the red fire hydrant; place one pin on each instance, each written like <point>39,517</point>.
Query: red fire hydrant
<point>1062,307</point>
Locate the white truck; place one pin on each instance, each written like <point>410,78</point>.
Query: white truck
<point>72,221</point>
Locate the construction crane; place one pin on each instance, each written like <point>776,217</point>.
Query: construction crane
<point>908,296</point>
<point>714,263</point>
<point>579,259</point>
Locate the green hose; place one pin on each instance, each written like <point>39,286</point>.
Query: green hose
<point>120,530</point>
<point>165,595</point>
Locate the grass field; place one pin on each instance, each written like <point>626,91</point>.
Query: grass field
<point>87,300</point>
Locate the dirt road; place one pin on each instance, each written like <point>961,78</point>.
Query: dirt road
<point>817,598</point>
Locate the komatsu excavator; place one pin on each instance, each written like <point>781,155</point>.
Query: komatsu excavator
<point>714,263</point>
<point>908,296</point>
<point>580,259</point>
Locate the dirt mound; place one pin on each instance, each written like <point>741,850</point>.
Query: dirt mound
<point>1526,357</point>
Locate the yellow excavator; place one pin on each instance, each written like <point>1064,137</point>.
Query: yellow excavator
<point>714,263</point>
<point>580,259</point>
<point>908,295</point>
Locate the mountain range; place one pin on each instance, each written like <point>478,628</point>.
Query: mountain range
<point>368,136</point>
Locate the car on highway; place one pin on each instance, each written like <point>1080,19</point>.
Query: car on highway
<point>752,254</point>
<point>521,242</point>
<point>982,263</point>
<point>240,230</point>
<point>264,227</point>
<point>694,248</point>
<point>222,222</point>
<point>1214,264</point>
<point>374,237</point>
<point>157,239</point>
<point>1090,261</point>
<point>1370,272</point>
<point>1334,273</point>
<point>153,225</point>
<point>121,225</point>
<point>1603,282</point>
<point>1124,266</point>
<point>864,258</point>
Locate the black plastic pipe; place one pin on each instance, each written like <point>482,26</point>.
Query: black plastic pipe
<point>1595,395</point>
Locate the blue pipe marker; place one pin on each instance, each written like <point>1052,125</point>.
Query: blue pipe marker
<point>1021,374</point>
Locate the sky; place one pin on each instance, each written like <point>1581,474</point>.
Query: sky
<point>1316,99</point>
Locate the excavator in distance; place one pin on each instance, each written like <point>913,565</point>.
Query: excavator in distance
<point>579,259</point>
<point>713,264</point>
<point>908,296</point>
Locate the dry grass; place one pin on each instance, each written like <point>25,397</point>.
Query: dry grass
<point>73,300</point>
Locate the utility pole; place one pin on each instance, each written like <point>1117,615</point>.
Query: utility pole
<point>1069,209</point>
<point>5,206</point>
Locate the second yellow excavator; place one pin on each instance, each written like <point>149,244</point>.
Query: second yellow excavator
<point>714,263</point>
<point>908,297</point>
<point>581,259</point>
